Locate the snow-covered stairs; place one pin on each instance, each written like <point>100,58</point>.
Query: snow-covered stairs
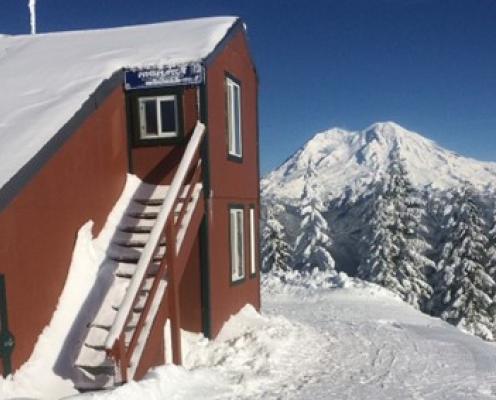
<point>126,326</point>
<point>127,245</point>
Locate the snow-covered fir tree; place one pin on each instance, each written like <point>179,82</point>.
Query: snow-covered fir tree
<point>313,243</point>
<point>464,288</point>
<point>397,257</point>
<point>491,254</point>
<point>276,252</point>
<point>377,265</point>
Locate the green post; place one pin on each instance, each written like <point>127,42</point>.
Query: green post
<point>7,341</point>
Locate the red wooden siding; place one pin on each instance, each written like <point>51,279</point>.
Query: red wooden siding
<point>231,182</point>
<point>190,292</point>
<point>85,177</point>
<point>38,229</point>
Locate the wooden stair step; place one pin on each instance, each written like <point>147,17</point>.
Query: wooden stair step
<point>106,320</point>
<point>89,357</point>
<point>132,254</point>
<point>150,211</point>
<point>96,337</point>
<point>133,239</point>
<point>157,197</point>
<point>150,202</point>
<point>130,224</point>
<point>113,299</point>
<point>139,305</point>
<point>148,192</point>
<point>102,378</point>
<point>139,210</point>
<point>127,270</point>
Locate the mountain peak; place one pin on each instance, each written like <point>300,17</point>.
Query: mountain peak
<point>386,127</point>
<point>347,161</point>
<point>390,131</point>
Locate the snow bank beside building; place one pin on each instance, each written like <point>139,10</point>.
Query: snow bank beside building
<point>56,348</point>
<point>254,357</point>
<point>252,354</point>
<point>320,337</point>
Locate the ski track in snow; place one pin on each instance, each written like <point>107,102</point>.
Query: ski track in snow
<point>379,348</point>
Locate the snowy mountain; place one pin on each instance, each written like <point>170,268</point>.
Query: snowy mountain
<point>389,206</point>
<point>350,162</point>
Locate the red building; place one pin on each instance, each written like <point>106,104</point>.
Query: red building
<point>173,103</point>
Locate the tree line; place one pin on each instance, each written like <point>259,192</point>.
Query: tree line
<point>436,250</point>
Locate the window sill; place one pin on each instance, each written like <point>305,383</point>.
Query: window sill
<point>235,158</point>
<point>238,281</point>
<point>159,141</point>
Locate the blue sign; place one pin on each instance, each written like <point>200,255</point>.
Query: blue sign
<point>170,75</point>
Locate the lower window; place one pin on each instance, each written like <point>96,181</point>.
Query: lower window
<point>237,243</point>
<point>253,256</point>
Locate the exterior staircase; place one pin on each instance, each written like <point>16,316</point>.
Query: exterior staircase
<point>149,250</point>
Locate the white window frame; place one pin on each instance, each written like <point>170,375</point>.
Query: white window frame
<point>253,260</point>
<point>238,271</point>
<point>235,134</point>
<point>142,118</point>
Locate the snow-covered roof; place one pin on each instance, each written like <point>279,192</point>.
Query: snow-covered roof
<point>44,79</point>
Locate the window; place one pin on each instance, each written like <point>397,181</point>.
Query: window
<point>234,118</point>
<point>253,260</point>
<point>237,243</point>
<point>158,117</point>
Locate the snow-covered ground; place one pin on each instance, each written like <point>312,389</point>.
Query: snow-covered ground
<point>325,337</point>
<point>377,347</point>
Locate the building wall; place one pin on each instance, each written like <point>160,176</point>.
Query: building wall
<point>231,182</point>
<point>38,229</point>
<point>190,292</point>
<point>157,164</point>
<point>85,177</point>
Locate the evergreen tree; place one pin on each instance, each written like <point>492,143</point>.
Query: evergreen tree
<point>378,265</point>
<point>464,287</point>
<point>492,248</point>
<point>397,251</point>
<point>276,252</point>
<point>313,242</point>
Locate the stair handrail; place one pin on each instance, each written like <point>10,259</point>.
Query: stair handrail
<point>154,239</point>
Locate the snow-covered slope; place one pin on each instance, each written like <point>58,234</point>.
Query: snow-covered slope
<point>46,78</point>
<point>380,348</point>
<point>316,339</point>
<point>350,161</point>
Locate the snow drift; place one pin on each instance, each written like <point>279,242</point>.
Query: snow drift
<point>49,370</point>
<point>253,353</point>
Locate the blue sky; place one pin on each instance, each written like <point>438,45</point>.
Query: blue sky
<point>429,65</point>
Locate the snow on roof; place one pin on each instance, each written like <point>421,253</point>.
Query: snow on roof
<point>44,79</point>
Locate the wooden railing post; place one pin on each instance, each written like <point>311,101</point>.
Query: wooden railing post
<point>118,353</point>
<point>173,288</point>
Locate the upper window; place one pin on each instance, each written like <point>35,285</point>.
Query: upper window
<point>158,117</point>
<point>234,118</point>
<point>237,244</point>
